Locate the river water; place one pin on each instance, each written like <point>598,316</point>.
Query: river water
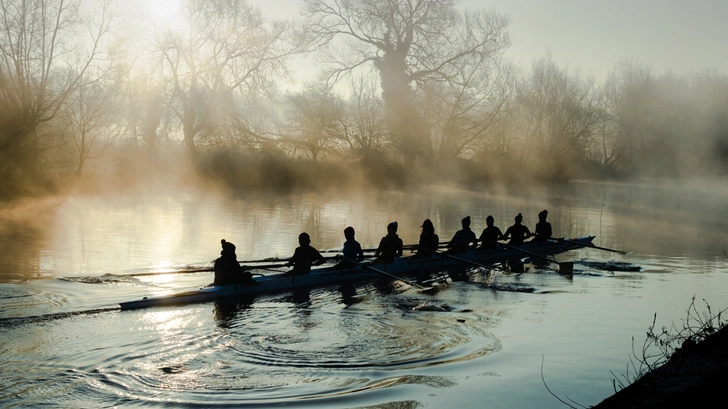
<point>65,264</point>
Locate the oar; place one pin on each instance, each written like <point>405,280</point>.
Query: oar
<point>462,260</point>
<point>376,270</point>
<point>274,260</point>
<point>593,246</point>
<point>565,267</point>
<point>197,270</point>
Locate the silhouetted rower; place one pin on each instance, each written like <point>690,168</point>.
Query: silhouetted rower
<point>227,268</point>
<point>390,246</point>
<point>429,241</point>
<point>304,257</point>
<point>543,228</point>
<point>352,249</point>
<point>463,238</point>
<point>491,234</point>
<point>518,232</point>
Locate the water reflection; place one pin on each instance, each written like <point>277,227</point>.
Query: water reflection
<point>300,298</point>
<point>349,295</point>
<point>227,309</point>
<point>22,243</point>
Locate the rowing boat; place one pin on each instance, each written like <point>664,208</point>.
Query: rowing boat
<point>332,275</point>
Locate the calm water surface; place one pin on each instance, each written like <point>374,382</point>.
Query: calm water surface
<point>66,263</point>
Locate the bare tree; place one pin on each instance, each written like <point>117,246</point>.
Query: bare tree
<point>316,119</point>
<point>226,48</point>
<point>410,43</point>
<point>145,114</point>
<point>560,113</point>
<point>629,103</point>
<point>88,115</point>
<point>465,114</point>
<point>43,59</point>
<point>365,127</point>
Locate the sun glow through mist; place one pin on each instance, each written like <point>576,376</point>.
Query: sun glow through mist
<point>165,13</point>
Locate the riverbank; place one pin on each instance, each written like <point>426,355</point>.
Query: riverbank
<point>694,377</point>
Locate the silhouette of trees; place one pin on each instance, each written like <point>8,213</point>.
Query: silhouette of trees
<point>464,116</point>
<point>410,43</point>
<point>629,96</point>
<point>316,119</point>
<point>226,52</point>
<point>145,117</point>
<point>47,50</point>
<point>559,114</point>
<point>89,116</point>
<point>710,89</point>
<point>428,96</point>
<point>365,130</point>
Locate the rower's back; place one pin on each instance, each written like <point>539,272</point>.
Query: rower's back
<point>227,268</point>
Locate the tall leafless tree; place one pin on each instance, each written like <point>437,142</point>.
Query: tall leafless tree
<point>316,118</point>
<point>629,98</point>
<point>560,113</point>
<point>90,116</point>
<point>465,114</point>
<point>365,127</point>
<point>145,114</point>
<point>410,43</point>
<point>226,47</point>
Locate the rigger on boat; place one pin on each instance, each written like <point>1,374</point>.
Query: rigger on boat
<point>331,275</point>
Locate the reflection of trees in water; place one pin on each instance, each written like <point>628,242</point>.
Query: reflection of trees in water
<point>21,245</point>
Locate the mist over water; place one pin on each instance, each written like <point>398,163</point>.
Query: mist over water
<point>342,346</point>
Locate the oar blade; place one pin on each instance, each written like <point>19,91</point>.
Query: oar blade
<point>594,246</point>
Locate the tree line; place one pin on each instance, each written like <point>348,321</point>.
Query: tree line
<point>406,91</point>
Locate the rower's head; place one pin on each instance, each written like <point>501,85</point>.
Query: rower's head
<point>519,218</point>
<point>304,239</point>
<point>349,233</point>
<point>542,215</point>
<point>428,227</point>
<point>392,228</point>
<point>489,221</point>
<point>465,222</point>
<point>227,247</point>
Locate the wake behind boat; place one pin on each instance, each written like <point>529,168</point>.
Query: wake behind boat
<point>325,276</point>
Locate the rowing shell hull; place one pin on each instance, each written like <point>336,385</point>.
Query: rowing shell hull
<point>265,284</point>
<point>325,276</point>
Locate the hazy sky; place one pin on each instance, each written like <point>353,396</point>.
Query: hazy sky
<point>592,35</point>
